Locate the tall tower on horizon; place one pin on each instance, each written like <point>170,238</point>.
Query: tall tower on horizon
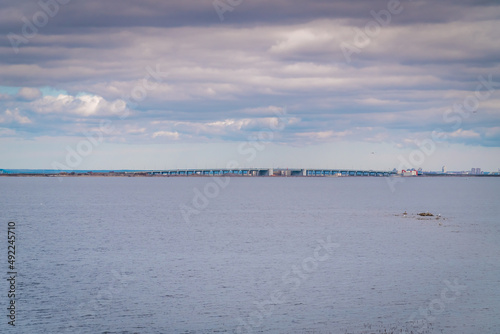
<point>443,169</point>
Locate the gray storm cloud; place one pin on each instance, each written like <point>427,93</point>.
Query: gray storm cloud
<point>406,63</point>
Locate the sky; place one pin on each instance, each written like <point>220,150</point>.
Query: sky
<point>167,84</point>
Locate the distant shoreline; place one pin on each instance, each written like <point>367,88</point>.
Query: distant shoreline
<point>233,172</point>
<point>146,174</point>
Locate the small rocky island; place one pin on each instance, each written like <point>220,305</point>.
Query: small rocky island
<point>422,216</point>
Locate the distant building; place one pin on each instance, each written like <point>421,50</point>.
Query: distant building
<point>443,169</point>
<point>409,172</point>
<point>475,171</point>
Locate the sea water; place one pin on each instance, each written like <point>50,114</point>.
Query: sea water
<point>253,255</point>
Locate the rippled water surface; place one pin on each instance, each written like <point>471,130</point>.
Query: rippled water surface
<point>253,255</point>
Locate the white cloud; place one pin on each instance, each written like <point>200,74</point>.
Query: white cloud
<point>134,130</point>
<point>323,135</point>
<point>465,134</point>
<point>238,128</point>
<point>302,40</point>
<point>263,111</point>
<point>83,105</point>
<point>168,134</point>
<point>29,94</point>
<point>13,117</point>
<point>5,132</point>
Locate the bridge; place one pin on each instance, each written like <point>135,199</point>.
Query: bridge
<point>269,172</point>
<point>347,172</point>
<point>215,172</point>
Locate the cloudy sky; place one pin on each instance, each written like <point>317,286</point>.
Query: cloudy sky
<point>156,84</point>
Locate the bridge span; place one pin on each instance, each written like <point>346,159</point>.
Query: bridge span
<point>270,172</point>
